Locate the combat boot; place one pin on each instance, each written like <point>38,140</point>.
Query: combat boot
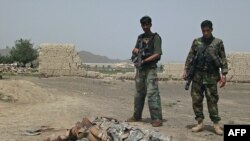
<point>156,123</point>
<point>199,127</point>
<point>218,129</point>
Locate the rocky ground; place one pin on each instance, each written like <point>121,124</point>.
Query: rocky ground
<point>30,102</point>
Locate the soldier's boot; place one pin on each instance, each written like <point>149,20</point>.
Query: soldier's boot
<point>199,127</point>
<point>133,119</point>
<point>157,123</point>
<point>218,129</point>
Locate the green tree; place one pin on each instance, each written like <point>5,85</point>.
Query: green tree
<point>6,59</point>
<point>23,52</point>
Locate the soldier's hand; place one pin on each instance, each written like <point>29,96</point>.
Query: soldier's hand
<point>135,50</point>
<point>184,75</point>
<point>222,81</point>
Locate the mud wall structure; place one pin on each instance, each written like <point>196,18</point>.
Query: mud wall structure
<point>59,60</point>
<point>239,67</point>
<point>238,64</point>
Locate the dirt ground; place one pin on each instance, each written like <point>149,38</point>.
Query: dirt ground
<point>62,101</point>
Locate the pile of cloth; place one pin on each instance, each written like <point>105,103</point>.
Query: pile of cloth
<point>108,129</point>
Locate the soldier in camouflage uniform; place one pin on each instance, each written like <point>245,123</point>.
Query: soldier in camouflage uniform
<point>211,68</point>
<point>146,77</point>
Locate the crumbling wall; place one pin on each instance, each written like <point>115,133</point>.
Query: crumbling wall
<point>125,76</point>
<point>13,69</point>
<point>239,67</point>
<point>174,71</point>
<point>238,64</point>
<point>59,60</point>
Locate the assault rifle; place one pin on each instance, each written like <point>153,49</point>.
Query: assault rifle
<point>190,73</point>
<point>192,69</point>
<point>137,59</point>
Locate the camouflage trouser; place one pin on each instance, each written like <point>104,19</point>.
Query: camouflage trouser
<point>147,84</point>
<point>211,93</point>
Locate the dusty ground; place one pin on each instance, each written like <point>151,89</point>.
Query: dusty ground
<point>60,102</point>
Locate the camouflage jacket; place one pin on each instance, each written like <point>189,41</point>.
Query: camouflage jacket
<point>216,62</point>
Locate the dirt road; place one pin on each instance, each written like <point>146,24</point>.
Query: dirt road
<point>60,102</point>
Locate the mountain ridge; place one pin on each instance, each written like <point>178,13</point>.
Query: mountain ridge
<point>86,57</point>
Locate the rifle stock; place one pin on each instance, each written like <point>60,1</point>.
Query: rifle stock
<point>137,58</point>
<point>190,76</point>
<point>187,85</point>
<point>193,63</point>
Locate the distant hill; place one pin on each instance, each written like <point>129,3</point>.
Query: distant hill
<point>5,51</point>
<point>88,57</point>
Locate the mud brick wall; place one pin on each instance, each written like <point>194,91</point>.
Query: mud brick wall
<point>59,60</point>
<point>239,67</point>
<point>174,71</point>
<point>238,63</point>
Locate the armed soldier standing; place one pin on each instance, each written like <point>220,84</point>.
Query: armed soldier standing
<point>146,54</point>
<point>210,68</point>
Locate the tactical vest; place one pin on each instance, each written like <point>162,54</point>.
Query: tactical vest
<point>149,50</point>
<point>209,60</point>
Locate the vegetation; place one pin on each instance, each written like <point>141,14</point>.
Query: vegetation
<point>6,59</point>
<point>23,52</point>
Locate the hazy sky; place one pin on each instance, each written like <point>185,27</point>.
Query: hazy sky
<point>110,27</point>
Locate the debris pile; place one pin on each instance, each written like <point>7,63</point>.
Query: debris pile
<point>23,91</point>
<point>108,129</point>
<point>13,69</point>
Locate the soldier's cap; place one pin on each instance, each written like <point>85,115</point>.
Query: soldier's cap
<point>145,19</point>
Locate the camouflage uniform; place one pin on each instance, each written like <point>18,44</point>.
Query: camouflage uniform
<point>207,74</point>
<point>147,81</point>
